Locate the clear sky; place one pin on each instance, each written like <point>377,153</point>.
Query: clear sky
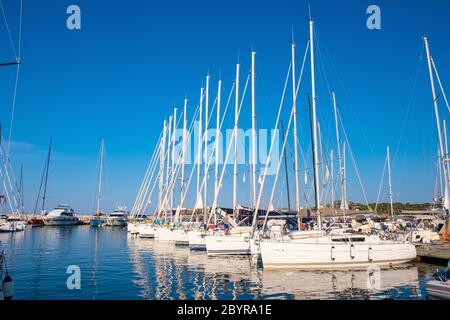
<point>132,61</point>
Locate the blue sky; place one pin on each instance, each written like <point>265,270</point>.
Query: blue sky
<point>132,61</point>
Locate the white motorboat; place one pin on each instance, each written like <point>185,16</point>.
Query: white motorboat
<point>118,218</point>
<point>62,215</point>
<point>439,287</point>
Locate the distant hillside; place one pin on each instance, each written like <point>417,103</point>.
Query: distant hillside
<point>398,207</point>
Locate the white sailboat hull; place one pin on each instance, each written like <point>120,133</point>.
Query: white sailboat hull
<point>328,255</point>
<point>227,245</point>
<point>12,226</point>
<point>164,235</point>
<point>132,228</point>
<point>181,237</point>
<point>196,240</point>
<point>146,231</point>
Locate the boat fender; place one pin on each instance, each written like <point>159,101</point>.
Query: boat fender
<point>370,254</point>
<point>8,287</point>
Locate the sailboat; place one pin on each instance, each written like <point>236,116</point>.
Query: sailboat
<point>236,240</point>
<point>14,222</point>
<point>335,249</point>
<point>35,221</point>
<point>98,219</point>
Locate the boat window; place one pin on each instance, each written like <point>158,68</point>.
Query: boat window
<point>358,239</point>
<point>340,239</point>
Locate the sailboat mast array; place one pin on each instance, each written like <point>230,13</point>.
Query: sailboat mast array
<point>231,232</point>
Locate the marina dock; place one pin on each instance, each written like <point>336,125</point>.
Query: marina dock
<point>440,251</point>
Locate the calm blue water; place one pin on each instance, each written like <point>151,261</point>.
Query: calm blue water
<point>116,265</point>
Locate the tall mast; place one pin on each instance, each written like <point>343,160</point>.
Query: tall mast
<point>168,168</point>
<point>389,179</point>
<point>439,169</point>
<point>447,164</point>
<point>253,131</point>
<point>332,178</point>
<point>162,151</point>
<point>294,99</point>
<point>44,196</point>
<point>320,151</point>
<point>173,154</point>
<point>236,115</point>
<point>21,190</point>
<point>183,159</point>
<point>216,172</point>
<point>206,147</point>
<point>438,125</point>
<point>313,92</point>
<point>344,207</point>
<point>100,174</point>
<point>338,142</point>
<point>199,145</point>
<point>286,168</point>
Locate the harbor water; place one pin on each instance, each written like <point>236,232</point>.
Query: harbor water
<point>113,264</point>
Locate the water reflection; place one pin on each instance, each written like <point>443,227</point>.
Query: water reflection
<point>399,283</point>
<point>182,274</point>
